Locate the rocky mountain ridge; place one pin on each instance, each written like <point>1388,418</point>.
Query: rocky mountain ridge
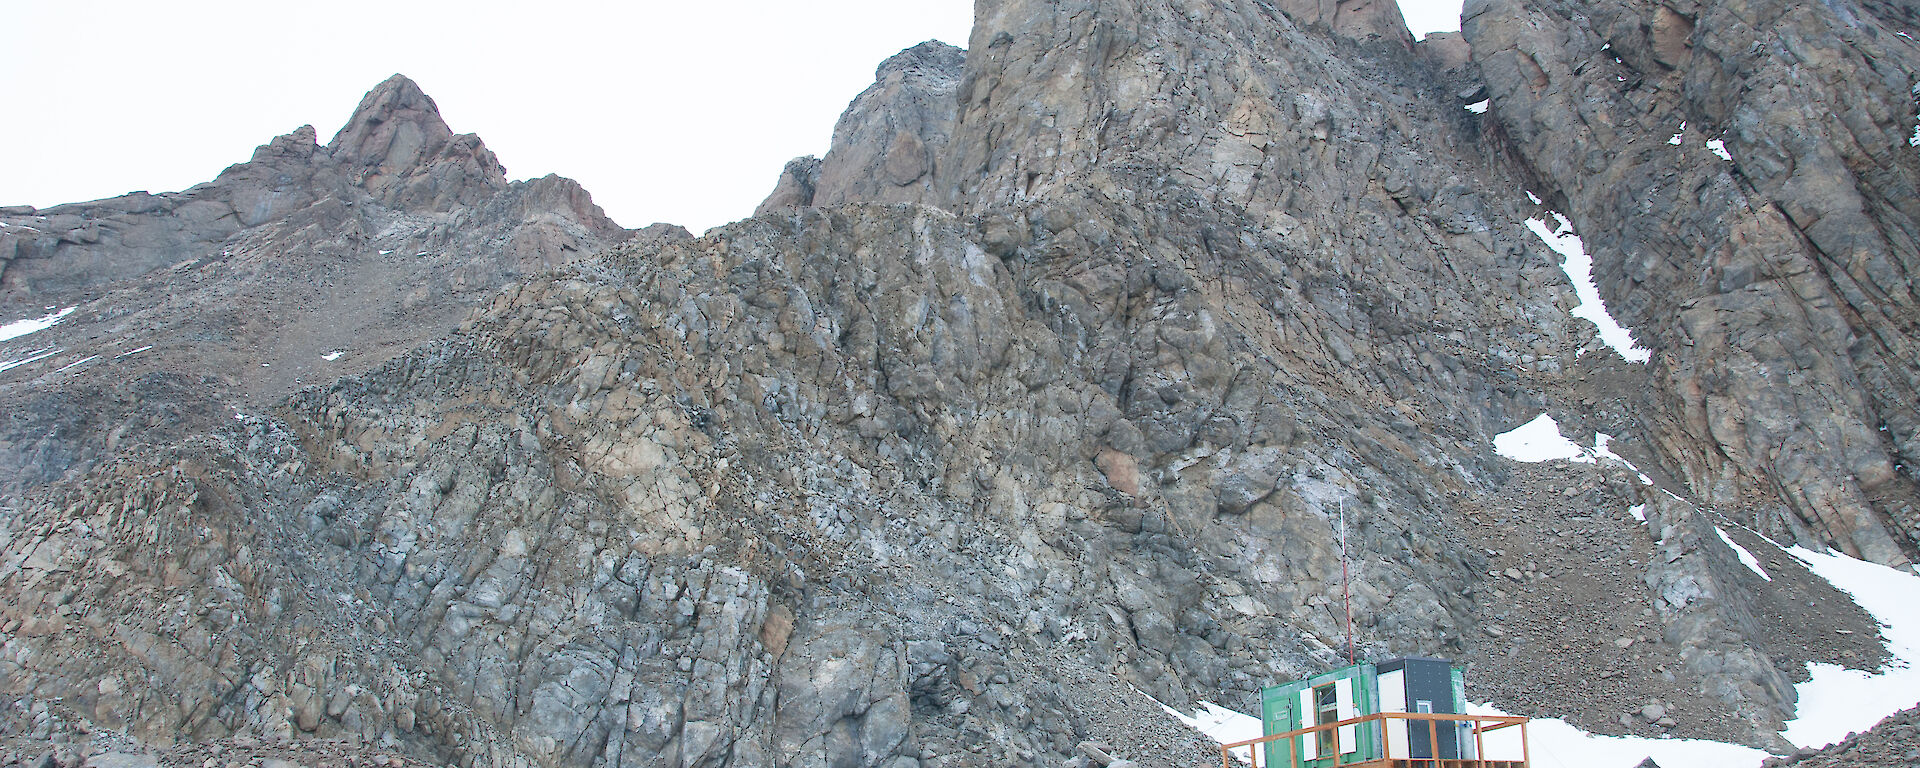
<point>1060,382</point>
<point>394,152</point>
<point>302,264</point>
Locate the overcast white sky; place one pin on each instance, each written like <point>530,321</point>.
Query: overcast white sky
<point>665,111</point>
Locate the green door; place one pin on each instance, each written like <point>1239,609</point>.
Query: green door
<point>1280,719</point>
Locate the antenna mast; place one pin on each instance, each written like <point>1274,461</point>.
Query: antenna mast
<point>1346,581</point>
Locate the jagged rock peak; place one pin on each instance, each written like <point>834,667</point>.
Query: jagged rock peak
<point>399,149</point>
<point>887,145</point>
<point>301,143</point>
<point>1356,19</point>
<point>872,484</point>
<point>932,58</point>
<point>383,118</point>
<point>365,195</point>
<point>796,186</point>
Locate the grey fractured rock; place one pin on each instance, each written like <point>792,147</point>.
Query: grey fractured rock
<point>303,263</point>
<point>124,760</point>
<point>1065,379</point>
<point>1358,19</point>
<point>398,149</point>
<point>887,145</point>
<point>798,182</point>
<point>1892,743</point>
<point>394,155</point>
<point>1771,285</point>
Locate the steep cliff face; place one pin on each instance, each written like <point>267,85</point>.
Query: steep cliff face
<point>1065,378</point>
<point>1776,281</point>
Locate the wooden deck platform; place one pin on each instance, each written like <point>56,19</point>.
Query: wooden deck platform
<point>1480,725</point>
<point>1423,762</point>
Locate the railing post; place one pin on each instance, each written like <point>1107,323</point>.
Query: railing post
<point>1433,744</point>
<point>1480,744</point>
<point>1526,752</point>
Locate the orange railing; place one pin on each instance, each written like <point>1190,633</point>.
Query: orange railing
<point>1482,724</point>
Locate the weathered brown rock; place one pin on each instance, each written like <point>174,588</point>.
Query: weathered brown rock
<point>1361,20</point>
<point>399,150</point>
<point>798,182</point>
<point>887,144</point>
<point>1445,51</point>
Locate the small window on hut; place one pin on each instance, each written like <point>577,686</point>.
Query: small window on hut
<point>1326,705</point>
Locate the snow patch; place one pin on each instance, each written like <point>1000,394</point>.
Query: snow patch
<point>331,356</point>
<point>1554,743</point>
<point>1837,700</point>
<point>384,253</point>
<point>19,328</point>
<point>1602,443</point>
<point>1539,440</point>
<point>1914,140</point>
<point>1479,107</point>
<point>1531,196</point>
<point>1551,743</point>
<point>1746,558</point>
<point>1719,147</point>
<point>77,363</point>
<point>1579,268</point>
<point>38,354</point>
<point>1224,726</point>
<point>1639,512</point>
<point>133,352</point>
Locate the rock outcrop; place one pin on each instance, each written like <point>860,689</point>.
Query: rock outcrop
<point>887,145</point>
<point>1079,371</point>
<point>395,154</point>
<point>1361,20</point>
<point>1776,281</point>
<point>796,186</point>
<point>1893,743</point>
<point>304,263</point>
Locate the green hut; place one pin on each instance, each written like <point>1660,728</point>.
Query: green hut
<point>1412,684</point>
